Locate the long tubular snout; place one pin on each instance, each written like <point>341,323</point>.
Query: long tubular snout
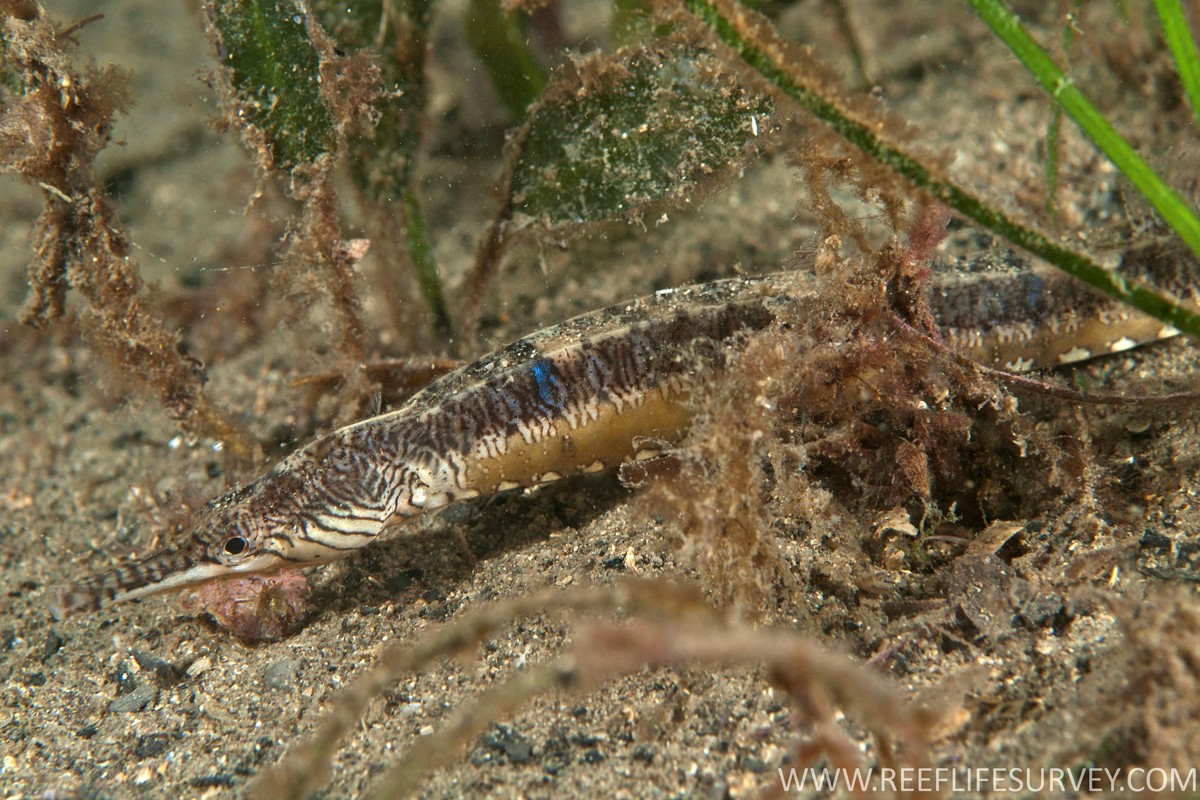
<point>161,571</point>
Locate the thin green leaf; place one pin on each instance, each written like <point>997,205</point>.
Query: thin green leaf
<point>496,37</point>
<point>1053,131</point>
<point>396,32</point>
<point>1183,49</point>
<point>421,251</point>
<point>383,151</point>
<point>1164,199</point>
<point>1054,128</point>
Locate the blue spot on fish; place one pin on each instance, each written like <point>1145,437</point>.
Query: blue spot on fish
<point>547,382</point>
<point>1033,291</point>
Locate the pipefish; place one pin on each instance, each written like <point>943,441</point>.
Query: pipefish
<point>583,396</point>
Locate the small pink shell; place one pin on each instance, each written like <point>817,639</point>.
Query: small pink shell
<point>254,608</point>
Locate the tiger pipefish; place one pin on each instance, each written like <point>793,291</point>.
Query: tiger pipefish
<point>578,397</point>
<point>583,396</point>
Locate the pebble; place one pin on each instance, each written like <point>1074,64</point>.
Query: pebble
<point>643,753</point>
<point>124,678</point>
<point>555,754</point>
<point>279,674</point>
<point>51,645</point>
<point>135,700</point>
<point>755,765</point>
<point>151,745</point>
<point>165,673</point>
<point>614,562</point>
<point>514,746</point>
<point>199,666</point>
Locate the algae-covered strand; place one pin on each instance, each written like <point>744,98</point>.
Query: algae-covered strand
<point>382,151</point>
<point>274,69</point>
<point>642,129</point>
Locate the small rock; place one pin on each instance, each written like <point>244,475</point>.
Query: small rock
<point>556,753</point>
<point>592,756</point>
<point>37,678</point>
<point>51,646</point>
<point>514,746</point>
<point>1153,540</point>
<point>164,672</point>
<point>151,745</point>
<point>755,765</point>
<point>1041,610</point>
<point>136,700</point>
<point>124,678</point>
<point>261,749</point>
<point>586,739</point>
<point>643,753</point>
<point>198,667</point>
<point>438,612</point>
<point>279,674</point>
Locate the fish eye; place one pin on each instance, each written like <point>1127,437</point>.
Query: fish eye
<point>235,545</point>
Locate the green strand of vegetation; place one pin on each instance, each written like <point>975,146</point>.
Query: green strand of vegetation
<point>1164,199</point>
<point>383,157</point>
<point>863,137</point>
<point>1183,49</point>
<point>496,37</point>
<point>850,38</point>
<point>382,154</point>
<point>422,257</point>
<point>1053,132</point>
<point>1054,128</point>
<point>275,69</point>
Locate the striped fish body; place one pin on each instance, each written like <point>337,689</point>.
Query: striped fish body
<point>579,397</point>
<point>1006,313</point>
<point>582,396</point>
